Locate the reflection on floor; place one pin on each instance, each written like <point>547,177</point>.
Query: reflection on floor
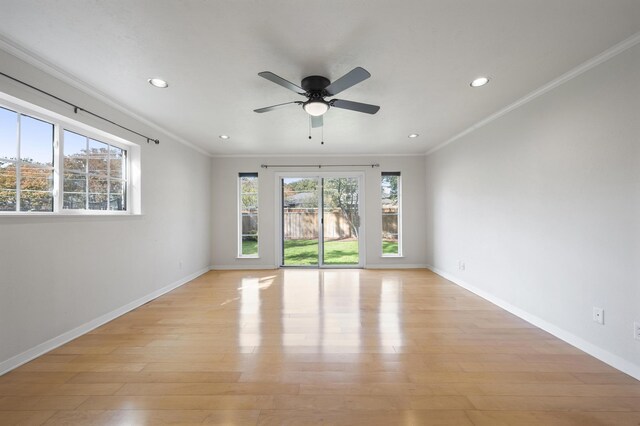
<point>308,347</point>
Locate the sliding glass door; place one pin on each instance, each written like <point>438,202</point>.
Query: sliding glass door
<point>341,221</point>
<point>300,218</point>
<point>320,221</point>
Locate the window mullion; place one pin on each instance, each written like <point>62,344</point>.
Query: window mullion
<point>108,177</point>
<point>18,168</point>
<point>58,169</point>
<point>86,174</point>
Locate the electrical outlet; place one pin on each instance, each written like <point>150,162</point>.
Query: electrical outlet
<point>636,330</point>
<point>180,264</point>
<point>461,265</point>
<point>598,315</point>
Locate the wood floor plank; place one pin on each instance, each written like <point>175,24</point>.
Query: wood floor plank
<point>25,418</point>
<point>553,418</point>
<point>363,417</point>
<point>338,347</point>
<point>177,402</point>
<point>155,417</point>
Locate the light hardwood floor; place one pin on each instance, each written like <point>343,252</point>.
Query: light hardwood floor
<point>306,347</point>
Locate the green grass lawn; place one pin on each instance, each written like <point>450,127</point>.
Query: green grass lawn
<point>305,252</point>
<point>390,247</point>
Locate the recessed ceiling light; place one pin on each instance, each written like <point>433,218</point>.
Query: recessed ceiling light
<point>413,135</point>
<point>224,136</point>
<point>158,82</point>
<point>480,81</point>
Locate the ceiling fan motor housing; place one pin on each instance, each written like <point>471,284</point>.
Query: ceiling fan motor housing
<point>315,84</point>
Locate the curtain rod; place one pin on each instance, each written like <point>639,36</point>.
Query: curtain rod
<point>76,108</point>
<point>319,166</point>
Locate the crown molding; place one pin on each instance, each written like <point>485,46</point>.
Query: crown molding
<point>575,72</point>
<point>43,65</point>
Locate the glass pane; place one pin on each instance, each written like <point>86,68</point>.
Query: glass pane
<point>7,175</point>
<point>8,134</point>
<point>249,203</point>
<point>389,189</point>
<point>389,233</point>
<point>341,221</point>
<point>36,141</point>
<point>249,224</point>
<point>35,178</point>
<point>97,185</point>
<point>249,185</point>
<point>300,221</point>
<point>250,245</point>
<point>97,193</point>
<point>7,200</point>
<point>75,182</point>
<point>36,201</point>
<point>390,211</point>
<point>117,163</point>
<point>117,202</point>
<point>74,201</point>
<point>97,201</point>
<point>98,157</point>
<point>75,152</point>
<point>117,195</point>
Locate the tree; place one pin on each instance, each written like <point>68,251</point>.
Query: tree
<point>342,193</point>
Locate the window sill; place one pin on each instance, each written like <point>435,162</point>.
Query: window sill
<point>67,214</point>
<point>248,257</point>
<point>392,256</point>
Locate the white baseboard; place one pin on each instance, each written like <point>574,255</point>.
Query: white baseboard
<point>368,266</point>
<point>397,266</point>
<point>239,267</point>
<point>42,348</point>
<point>603,355</point>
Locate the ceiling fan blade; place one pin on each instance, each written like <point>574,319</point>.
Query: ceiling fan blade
<point>355,106</point>
<point>351,78</point>
<point>317,121</point>
<point>281,81</point>
<point>272,107</point>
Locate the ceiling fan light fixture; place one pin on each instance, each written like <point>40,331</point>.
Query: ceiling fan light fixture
<point>316,108</point>
<point>224,137</point>
<point>413,135</point>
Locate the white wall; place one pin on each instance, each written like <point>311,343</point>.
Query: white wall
<point>543,206</point>
<point>224,213</point>
<point>58,273</point>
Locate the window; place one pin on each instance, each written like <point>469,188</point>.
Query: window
<point>26,163</point>
<point>248,217</point>
<point>95,174</point>
<point>52,164</point>
<point>391,221</point>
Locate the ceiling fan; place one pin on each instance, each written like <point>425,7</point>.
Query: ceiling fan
<point>316,88</point>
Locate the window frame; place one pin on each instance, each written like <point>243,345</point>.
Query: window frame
<point>240,235</point>
<point>399,215</point>
<point>60,124</point>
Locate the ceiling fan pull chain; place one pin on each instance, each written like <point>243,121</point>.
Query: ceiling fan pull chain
<point>322,135</point>
<point>309,127</point>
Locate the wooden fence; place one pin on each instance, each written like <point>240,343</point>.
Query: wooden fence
<point>302,224</point>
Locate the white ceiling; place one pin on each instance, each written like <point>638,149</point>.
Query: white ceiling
<point>422,54</point>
